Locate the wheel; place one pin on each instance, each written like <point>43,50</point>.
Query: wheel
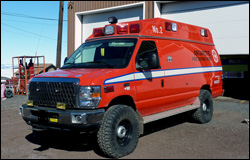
<point>8,93</point>
<point>119,132</point>
<point>205,112</point>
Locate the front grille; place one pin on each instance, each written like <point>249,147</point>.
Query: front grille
<point>50,93</point>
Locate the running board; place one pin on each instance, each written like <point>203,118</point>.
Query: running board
<point>171,112</point>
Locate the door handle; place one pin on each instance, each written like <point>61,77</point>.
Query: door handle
<point>162,82</point>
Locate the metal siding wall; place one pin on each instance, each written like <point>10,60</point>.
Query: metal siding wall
<point>80,6</point>
<point>228,21</point>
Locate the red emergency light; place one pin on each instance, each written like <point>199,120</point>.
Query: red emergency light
<point>122,29</point>
<point>168,26</point>
<point>135,28</point>
<point>206,33</point>
<point>98,32</point>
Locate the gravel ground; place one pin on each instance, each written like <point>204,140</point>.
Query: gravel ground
<point>225,137</point>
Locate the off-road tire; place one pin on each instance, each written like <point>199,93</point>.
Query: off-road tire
<point>119,132</point>
<point>204,113</point>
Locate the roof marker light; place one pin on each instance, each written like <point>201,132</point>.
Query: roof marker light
<point>109,89</point>
<point>135,28</point>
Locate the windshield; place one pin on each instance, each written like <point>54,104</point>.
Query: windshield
<point>111,53</point>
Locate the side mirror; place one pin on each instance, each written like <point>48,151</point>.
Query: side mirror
<point>149,61</point>
<point>66,58</point>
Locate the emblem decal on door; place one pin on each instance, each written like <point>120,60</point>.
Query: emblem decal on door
<point>215,56</point>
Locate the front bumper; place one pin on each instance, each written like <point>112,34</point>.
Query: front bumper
<point>45,118</point>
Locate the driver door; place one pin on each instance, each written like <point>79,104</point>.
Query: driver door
<point>149,82</point>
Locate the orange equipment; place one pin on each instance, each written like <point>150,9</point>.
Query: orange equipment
<point>25,72</point>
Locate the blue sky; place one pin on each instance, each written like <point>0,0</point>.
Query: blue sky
<point>25,36</point>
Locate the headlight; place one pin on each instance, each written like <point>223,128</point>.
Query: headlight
<point>90,96</point>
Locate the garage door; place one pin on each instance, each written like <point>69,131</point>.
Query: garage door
<point>228,21</point>
<point>101,19</point>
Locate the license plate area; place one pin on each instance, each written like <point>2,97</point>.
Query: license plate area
<point>44,117</point>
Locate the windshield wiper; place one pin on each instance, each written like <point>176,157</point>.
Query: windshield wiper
<point>69,65</point>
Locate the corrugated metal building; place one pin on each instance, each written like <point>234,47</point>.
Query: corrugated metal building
<point>228,22</point>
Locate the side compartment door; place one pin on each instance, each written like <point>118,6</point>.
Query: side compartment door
<point>149,79</point>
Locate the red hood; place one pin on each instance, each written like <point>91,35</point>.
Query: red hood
<point>86,76</point>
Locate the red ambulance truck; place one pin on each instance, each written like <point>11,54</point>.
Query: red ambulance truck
<point>125,75</point>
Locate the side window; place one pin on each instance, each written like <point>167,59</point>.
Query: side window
<point>147,56</point>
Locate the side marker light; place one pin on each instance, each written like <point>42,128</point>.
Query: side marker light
<point>109,89</point>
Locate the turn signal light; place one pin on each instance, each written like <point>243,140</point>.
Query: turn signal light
<point>96,95</point>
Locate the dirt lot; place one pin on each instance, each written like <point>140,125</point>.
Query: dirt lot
<point>226,136</point>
